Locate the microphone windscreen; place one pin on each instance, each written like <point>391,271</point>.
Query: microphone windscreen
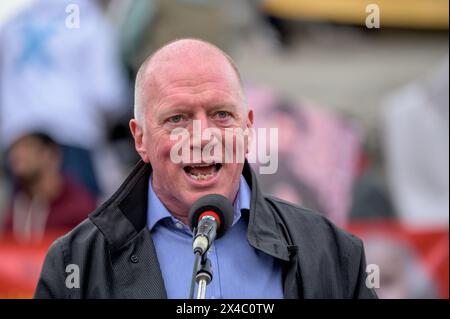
<point>218,204</point>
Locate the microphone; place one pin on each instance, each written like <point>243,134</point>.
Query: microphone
<point>209,218</point>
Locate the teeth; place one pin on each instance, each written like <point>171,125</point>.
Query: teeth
<point>200,177</point>
<point>198,172</point>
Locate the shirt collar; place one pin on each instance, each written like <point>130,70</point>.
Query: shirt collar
<point>156,211</point>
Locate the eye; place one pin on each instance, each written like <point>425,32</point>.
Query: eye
<point>175,119</point>
<point>223,114</point>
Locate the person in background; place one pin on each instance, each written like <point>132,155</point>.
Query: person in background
<point>65,80</point>
<point>43,198</point>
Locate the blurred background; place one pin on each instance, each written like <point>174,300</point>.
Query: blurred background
<point>359,93</point>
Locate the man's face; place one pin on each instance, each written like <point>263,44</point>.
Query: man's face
<point>181,94</point>
<point>27,158</point>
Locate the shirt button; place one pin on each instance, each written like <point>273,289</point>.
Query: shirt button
<point>179,225</point>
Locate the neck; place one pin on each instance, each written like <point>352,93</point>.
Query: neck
<point>174,206</point>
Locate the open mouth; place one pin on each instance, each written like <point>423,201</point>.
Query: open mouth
<point>201,171</point>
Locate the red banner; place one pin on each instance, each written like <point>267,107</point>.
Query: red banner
<point>20,263</point>
<point>427,249</point>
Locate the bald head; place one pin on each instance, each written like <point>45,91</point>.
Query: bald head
<point>190,58</point>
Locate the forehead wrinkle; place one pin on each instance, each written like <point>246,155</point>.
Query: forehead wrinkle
<point>190,86</point>
<point>186,83</point>
<point>210,98</point>
<point>180,54</point>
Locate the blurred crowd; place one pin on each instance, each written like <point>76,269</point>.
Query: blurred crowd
<point>66,99</point>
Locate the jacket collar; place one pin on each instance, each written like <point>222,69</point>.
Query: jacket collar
<point>124,215</point>
<point>262,231</point>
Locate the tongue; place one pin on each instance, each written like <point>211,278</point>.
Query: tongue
<point>201,170</point>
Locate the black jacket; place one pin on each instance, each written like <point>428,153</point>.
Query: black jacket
<point>116,258</point>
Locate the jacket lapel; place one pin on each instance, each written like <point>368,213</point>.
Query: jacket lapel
<point>267,233</point>
<point>262,232</point>
<point>122,220</point>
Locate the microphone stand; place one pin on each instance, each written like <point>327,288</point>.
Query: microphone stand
<point>202,275</point>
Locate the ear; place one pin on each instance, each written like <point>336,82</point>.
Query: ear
<point>249,126</point>
<point>250,118</point>
<point>138,135</point>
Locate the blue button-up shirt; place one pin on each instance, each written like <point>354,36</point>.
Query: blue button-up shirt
<point>239,270</point>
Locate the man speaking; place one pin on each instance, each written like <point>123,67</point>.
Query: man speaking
<point>138,243</point>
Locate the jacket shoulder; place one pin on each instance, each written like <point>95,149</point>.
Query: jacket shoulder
<point>303,216</point>
<point>323,245</point>
<point>80,250</point>
<point>316,226</point>
<point>82,235</point>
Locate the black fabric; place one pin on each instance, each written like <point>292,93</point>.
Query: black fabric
<point>117,259</point>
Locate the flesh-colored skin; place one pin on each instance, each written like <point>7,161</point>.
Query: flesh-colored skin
<point>185,81</point>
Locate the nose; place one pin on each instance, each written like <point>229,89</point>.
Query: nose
<point>200,125</point>
<point>203,121</point>
<point>202,133</point>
